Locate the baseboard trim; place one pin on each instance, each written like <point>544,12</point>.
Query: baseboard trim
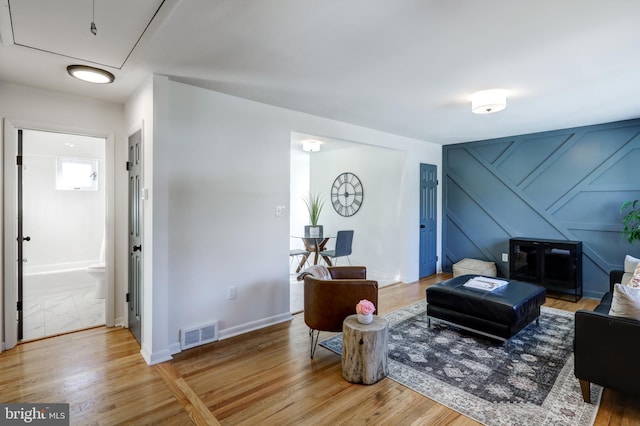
<point>254,325</point>
<point>152,358</point>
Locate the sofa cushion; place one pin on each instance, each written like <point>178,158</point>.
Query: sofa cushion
<point>625,302</point>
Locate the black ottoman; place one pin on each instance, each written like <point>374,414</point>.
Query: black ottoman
<point>501,313</point>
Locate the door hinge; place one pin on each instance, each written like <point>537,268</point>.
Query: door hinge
<point>19,306</point>
<point>127,298</point>
<point>437,258</point>
<point>128,165</point>
<point>437,182</point>
<point>18,160</point>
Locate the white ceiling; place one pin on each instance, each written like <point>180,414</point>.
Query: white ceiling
<point>405,66</point>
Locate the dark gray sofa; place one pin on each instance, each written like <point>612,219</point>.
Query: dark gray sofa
<point>607,348</point>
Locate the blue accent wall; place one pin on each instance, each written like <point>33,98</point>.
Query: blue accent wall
<point>564,184</point>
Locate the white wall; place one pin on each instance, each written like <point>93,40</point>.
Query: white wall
<point>148,110</point>
<point>378,223</point>
<point>216,167</point>
<point>49,110</point>
<point>229,169</point>
<point>299,179</point>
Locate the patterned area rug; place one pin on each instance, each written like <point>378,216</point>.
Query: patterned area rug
<point>530,384</point>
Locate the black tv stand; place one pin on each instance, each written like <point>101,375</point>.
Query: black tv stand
<point>555,265</point>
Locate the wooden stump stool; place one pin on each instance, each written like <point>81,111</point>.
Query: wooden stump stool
<point>364,350</point>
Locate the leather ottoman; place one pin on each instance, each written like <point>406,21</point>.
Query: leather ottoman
<point>500,313</point>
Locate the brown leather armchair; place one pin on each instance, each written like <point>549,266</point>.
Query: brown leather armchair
<point>328,302</point>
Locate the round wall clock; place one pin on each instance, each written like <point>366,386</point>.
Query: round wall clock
<point>347,194</point>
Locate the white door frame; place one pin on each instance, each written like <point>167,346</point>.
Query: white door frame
<point>8,174</point>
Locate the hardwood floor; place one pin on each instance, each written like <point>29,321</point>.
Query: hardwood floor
<point>263,377</point>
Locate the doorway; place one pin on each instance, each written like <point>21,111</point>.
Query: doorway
<point>62,210</point>
<point>428,219</point>
<point>55,186</point>
<point>134,293</point>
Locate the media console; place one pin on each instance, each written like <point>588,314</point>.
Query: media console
<point>556,265</point>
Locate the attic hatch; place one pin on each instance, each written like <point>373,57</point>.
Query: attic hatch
<point>121,24</point>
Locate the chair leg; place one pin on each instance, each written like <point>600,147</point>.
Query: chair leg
<point>314,341</point>
<point>302,263</point>
<point>585,387</point>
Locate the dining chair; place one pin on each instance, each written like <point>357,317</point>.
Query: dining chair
<point>342,248</point>
<point>295,254</point>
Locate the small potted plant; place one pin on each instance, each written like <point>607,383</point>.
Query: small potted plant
<point>365,310</point>
<point>314,203</point>
<point>631,221</point>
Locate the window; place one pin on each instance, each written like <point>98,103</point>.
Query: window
<point>76,174</point>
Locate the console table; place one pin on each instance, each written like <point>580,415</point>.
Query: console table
<point>555,265</point>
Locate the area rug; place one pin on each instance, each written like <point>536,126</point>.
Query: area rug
<point>531,383</point>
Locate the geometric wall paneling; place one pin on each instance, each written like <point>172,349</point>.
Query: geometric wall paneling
<point>564,184</point>
<point>492,151</point>
<point>521,161</point>
<point>573,162</point>
<point>478,224</point>
<point>616,174</point>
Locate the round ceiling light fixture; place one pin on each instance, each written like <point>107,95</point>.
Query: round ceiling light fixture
<point>488,101</point>
<point>311,145</point>
<point>90,74</point>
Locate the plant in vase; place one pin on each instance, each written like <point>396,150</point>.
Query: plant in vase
<point>314,203</point>
<point>631,221</point>
<point>365,310</point>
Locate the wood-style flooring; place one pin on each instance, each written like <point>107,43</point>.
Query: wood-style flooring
<point>263,377</point>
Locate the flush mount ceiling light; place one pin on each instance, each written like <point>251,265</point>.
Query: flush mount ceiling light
<point>90,74</point>
<point>488,101</point>
<point>311,145</point>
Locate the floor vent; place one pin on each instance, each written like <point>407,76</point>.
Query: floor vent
<point>190,337</point>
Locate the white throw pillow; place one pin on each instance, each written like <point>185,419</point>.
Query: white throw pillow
<point>625,302</point>
<point>635,279</point>
<point>630,265</point>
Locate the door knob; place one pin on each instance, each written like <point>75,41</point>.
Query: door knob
<point>26,239</point>
<point>137,248</point>
<point>422,226</point>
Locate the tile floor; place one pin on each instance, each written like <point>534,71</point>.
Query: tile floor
<point>61,310</point>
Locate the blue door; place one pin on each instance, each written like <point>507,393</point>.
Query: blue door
<point>428,219</point>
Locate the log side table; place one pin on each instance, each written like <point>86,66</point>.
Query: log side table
<point>364,350</point>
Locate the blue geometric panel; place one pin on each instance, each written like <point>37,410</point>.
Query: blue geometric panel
<point>604,208</point>
<point>492,151</point>
<point>565,184</point>
<point>617,174</point>
<point>587,151</point>
<point>520,163</point>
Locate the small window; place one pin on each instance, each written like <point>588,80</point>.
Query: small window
<point>75,174</point>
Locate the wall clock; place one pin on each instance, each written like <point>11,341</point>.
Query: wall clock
<point>347,194</point>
